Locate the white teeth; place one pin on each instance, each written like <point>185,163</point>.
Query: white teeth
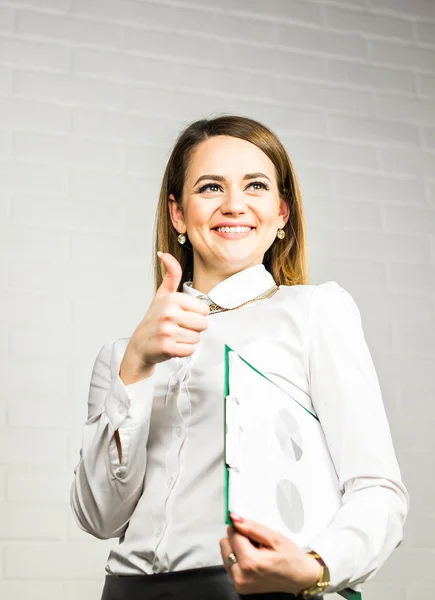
<point>238,229</point>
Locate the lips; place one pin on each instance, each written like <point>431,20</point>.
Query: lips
<point>232,225</point>
<point>233,229</point>
<point>233,232</point>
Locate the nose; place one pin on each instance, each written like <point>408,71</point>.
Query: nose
<point>233,203</point>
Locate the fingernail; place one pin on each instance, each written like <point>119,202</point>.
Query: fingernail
<point>236,518</point>
<point>159,254</point>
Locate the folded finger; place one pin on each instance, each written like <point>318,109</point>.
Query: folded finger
<point>233,568</point>
<point>226,548</point>
<point>190,303</point>
<point>182,350</point>
<point>186,336</point>
<point>192,320</point>
<point>242,547</point>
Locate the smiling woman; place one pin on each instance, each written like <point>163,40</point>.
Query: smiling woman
<point>231,269</point>
<point>253,210</point>
<point>245,171</point>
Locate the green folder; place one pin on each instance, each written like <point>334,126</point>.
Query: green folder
<point>347,593</point>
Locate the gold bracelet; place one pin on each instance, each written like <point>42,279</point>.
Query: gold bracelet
<point>319,588</point>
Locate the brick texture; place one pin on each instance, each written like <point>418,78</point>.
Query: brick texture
<point>92,96</point>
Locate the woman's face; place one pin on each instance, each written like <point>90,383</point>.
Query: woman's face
<point>231,208</point>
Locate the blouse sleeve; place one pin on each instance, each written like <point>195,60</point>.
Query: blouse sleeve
<point>105,491</point>
<point>347,399</point>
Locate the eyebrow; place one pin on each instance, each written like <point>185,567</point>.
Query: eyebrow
<point>222,178</point>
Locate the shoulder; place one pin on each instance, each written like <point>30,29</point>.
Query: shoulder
<point>306,293</point>
<point>325,301</point>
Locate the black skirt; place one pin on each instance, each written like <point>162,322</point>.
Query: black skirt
<point>208,583</point>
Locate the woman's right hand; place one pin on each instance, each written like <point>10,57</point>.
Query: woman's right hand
<point>170,328</point>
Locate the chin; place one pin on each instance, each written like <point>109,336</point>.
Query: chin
<point>242,262</point>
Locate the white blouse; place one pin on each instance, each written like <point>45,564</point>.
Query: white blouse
<point>165,500</point>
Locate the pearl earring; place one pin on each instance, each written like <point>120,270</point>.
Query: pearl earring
<point>181,239</point>
<point>280,234</point>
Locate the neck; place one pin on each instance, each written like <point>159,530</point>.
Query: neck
<point>204,282</point>
<point>206,278</point>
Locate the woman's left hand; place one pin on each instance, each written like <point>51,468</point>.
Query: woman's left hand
<point>277,565</point>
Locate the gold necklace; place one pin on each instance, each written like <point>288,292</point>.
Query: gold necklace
<point>215,308</point>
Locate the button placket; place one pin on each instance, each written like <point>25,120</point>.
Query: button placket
<point>174,390</point>
<point>181,400</point>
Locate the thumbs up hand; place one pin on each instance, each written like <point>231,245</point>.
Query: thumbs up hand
<point>170,328</point>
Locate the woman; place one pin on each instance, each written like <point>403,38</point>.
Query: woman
<point>230,238</point>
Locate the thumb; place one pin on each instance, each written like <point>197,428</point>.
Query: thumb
<point>172,278</point>
<point>256,532</point>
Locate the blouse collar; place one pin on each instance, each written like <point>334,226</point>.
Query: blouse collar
<point>237,289</point>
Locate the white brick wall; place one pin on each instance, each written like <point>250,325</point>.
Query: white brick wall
<point>92,95</point>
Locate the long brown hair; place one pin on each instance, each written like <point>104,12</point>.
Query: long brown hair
<point>286,259</point>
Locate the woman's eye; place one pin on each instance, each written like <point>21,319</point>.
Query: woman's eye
<point>206,188</point>
<point>214,187</point>
<point>260,184</point>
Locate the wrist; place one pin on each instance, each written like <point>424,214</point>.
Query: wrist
<point>133,370</point>
<point>319,586</point>
<point>312,572</point>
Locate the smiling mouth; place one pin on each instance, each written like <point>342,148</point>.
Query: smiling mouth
<point>238,229</point>
<point>233,233</point>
